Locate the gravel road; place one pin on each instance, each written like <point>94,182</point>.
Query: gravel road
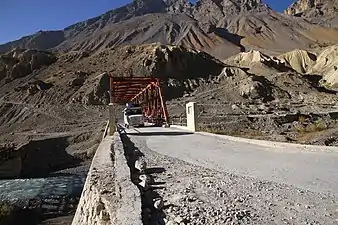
<point>195,192</point>
<point>315,171</point>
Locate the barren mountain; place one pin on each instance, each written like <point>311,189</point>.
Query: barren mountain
<point>222,28</point>
<point>118,43</point>
<point>324,12</point>
<point>42,40</point>
<point>77,73</point>
<point>242,84</point>
<point>172,29</point>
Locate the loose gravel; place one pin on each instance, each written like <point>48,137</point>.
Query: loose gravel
<point>197,195</point>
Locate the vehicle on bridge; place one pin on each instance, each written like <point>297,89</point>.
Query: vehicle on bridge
<point>143,96</point>
<point>133,115</point>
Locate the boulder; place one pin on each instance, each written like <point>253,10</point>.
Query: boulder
<point>37,86</point>
<point>19,63</point>
<point>79,80</point>
<point>254,89</point>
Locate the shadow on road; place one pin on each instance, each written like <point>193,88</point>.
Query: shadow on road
<point>155,170</point>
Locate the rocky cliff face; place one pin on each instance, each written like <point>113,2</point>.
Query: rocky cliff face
<point>318,11</point>
<point>19,63</point>
<point>301,6</point>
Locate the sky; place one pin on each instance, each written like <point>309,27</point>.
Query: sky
<point>19,18</point>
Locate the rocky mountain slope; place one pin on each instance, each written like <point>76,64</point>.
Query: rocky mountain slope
<point>38,87</point>
<point>324,12</point>
<point>221,28</point>
<point>245,83</point>
<point>118,26</point>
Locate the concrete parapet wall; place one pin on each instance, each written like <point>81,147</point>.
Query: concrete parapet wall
<point>129,207</point>
<point>276,145</point>
<point>96,205</point>
<point>109,196</point>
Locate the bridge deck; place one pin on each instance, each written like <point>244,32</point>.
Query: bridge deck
<point>316,171</point>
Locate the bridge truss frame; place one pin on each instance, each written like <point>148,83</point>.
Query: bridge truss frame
<point>145,91</point>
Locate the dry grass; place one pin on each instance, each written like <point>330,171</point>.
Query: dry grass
<point>311,128</point>
<point>317,126</point>
<point>302,119</point>
<point>300,129</point>
<point>7,210</point>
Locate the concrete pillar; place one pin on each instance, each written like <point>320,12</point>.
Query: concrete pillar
<point>112,116</point>
<point>191,109</point>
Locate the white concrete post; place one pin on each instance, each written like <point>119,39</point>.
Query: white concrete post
<point>191,109</point>
<point>112,125</point>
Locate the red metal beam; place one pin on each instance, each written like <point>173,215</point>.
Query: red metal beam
<point>129,79</point>
<point>143,90</point>
<point>164,107</point>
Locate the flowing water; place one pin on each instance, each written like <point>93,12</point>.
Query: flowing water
<point>40,199</point>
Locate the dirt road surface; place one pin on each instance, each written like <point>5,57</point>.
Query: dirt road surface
<point>212,180</point>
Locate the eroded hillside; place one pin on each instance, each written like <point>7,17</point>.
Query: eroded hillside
<point>221,28</point>
<point>245,84</point>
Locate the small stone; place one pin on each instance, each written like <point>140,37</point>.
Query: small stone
<point>144,184</point>
<point>158,204</point>
<point>228,219</point>
<point>140,164</point>
<point>104,215</point>
<point>178,219</point>
<point>307,207</point>
<point>192,199</point>
<point>145,177</point>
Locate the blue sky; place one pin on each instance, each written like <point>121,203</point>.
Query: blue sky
<point>23,17</point>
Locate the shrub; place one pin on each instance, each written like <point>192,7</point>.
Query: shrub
<point>300,129</point>
<point>301,119</point>
<point>7,211</point>
<point>317,126</point>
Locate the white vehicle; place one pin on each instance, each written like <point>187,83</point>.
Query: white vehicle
<point>133,116</point>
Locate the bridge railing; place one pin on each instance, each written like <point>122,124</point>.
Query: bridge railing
<point>180,121</point>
